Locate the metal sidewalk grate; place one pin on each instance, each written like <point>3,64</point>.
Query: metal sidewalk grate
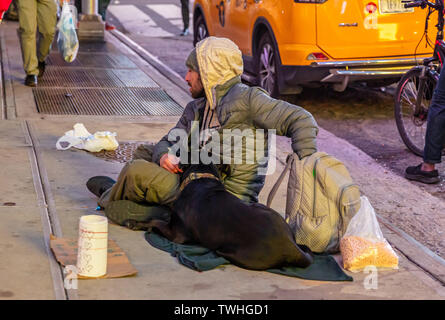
<point>93,60</point>
<point>96,78</point>
<point>122,154</point>
<point>100,83</point>
<point>105,101</point>
<point>62,77</point>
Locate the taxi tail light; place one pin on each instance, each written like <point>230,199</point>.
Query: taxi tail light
<point>371,7</point>
<point>317,56</point>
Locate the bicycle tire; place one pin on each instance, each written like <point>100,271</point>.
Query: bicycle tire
<point>412,128</point>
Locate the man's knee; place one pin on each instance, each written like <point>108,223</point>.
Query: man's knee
<point>139,167</point>
<point>27,33</point>
<point>48,34</point>
<point>149,180</point>
<point>437,110</point>
<point>149,173</point>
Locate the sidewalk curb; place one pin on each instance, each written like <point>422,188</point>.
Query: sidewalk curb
<point>430,262</point>
<point>172,83</point>
<point>151,59</point>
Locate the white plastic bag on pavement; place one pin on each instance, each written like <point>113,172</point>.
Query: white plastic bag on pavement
<point>101,140</point>
<point>363,243</point>
<point>67,41</point>
<point>80,138</point>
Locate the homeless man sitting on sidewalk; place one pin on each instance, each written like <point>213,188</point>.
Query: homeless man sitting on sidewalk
<point>221,102</point>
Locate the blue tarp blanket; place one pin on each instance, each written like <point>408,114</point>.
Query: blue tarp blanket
<point>324,267</point>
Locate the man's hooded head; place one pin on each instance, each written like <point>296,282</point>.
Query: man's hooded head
<point>192,61</point>
<point>216,60</point>
<point>193,78</point>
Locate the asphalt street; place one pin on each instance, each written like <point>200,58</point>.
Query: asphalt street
<point>156,26</point>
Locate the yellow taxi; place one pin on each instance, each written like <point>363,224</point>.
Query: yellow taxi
<point>291,44</point>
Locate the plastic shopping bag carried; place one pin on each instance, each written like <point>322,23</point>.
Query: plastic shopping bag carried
<point>80,138</point>
<point>67,41</point>
<point>363,243</point>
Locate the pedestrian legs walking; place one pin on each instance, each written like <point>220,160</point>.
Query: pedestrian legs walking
<point>33,14</point>
<point>185,17</point>
<point>103,5</point>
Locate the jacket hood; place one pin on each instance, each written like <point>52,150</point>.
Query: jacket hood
<point>192,62</point>
<point>219,61</point>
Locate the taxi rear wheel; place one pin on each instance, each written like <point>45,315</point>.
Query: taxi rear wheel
<point>200,30</point>
<point>266,58</point>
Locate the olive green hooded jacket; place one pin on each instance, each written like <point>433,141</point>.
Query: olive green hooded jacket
<point>239,106</point>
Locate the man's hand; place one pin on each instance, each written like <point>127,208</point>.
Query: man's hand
<point>170,163</point>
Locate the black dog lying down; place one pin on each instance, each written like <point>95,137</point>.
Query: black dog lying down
<point>251,236</point>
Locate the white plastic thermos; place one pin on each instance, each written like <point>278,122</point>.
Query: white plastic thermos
<point>92,246</point>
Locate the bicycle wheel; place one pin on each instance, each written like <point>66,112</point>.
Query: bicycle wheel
<point>411,126</point>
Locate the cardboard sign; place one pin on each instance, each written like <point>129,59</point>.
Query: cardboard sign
<point>118,265</point>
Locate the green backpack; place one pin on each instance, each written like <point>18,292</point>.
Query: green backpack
<point>321,200</point>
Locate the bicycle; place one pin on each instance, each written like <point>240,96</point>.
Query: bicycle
<point>416,87</point>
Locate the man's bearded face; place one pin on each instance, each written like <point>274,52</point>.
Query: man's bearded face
<point>194,81</point>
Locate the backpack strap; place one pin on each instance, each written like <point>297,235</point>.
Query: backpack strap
<point>277,184</point>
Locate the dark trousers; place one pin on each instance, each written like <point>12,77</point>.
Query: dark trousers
<point>102,8</point>
<point>435,130</point>
<point>185,13</point>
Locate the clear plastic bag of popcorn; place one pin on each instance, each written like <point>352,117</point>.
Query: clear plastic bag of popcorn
<point>363,243</point>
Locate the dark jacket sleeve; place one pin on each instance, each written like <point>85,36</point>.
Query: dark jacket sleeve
<point>184,122</point>
<point>287,119</point>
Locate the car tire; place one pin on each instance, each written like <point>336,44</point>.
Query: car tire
<point>200,30</point>
<point>267,62</point>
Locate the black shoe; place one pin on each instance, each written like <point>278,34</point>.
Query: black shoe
<point>416,173</point>
<point>42,65</point>
<point>31,80</point>
<point>99,184</point>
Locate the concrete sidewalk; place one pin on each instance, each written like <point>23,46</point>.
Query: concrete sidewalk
<point>43,191</point>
